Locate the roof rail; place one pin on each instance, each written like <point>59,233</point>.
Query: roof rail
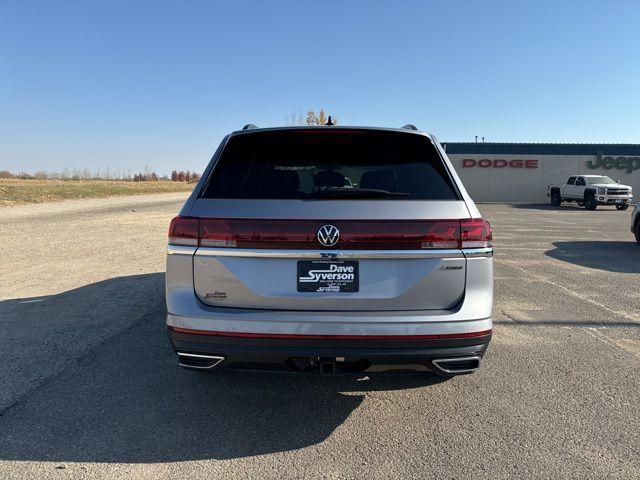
<point>409,126</point>
<point>249,126</point>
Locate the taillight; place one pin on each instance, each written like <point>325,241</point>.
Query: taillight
<point>183,231</point>
<point>354,234</point>
<point>475,233</point>
<point>442,234</point>
<point>216,233</point>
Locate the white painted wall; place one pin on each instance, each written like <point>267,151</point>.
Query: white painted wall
<point>529,185</point>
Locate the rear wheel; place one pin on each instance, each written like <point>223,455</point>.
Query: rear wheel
<point>556,199</point>
<point>590,202</point>
<point>622,206</point>
<point>636,231</point>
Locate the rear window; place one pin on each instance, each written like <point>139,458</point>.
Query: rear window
<point>338,164</point>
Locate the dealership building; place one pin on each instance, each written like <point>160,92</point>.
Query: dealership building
<point>520,172</point>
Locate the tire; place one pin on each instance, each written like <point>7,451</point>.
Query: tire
<point>636,231</point>
<point>556,199</point>
<point>623,206</point>
<point>590,202</point>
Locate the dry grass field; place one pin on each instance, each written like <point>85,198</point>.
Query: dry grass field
<point>17,191</point>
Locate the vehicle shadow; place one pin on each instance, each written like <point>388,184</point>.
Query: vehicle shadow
<point>125,400</point>
<point>623,257</point>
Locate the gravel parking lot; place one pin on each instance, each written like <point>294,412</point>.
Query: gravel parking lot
<point>90,388</point>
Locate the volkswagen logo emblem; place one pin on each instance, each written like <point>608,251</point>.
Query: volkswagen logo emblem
<point>328,235</point>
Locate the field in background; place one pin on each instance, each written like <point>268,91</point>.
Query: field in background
<point>18,191</point>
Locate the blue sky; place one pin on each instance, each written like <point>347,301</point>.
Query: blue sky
<point>128,84</point>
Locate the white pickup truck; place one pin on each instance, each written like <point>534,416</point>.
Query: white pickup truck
<point>591,191</point>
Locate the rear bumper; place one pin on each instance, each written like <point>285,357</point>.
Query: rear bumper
<point>335,355</point>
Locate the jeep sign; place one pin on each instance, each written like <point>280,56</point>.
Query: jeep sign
<point>629,164</point>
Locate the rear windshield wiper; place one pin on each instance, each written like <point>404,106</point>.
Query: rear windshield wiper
<point>345,192</point>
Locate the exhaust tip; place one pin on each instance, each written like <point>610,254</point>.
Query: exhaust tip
<point>457,365</point>
<point>198,361</point>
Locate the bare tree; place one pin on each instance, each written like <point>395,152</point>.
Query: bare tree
<point>294,119</point>
<point>322,118</point>
<point>313,118</point>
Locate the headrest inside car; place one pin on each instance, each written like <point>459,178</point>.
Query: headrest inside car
<point>328,179</point>
<point>280,181</point>
<point>379,180</point>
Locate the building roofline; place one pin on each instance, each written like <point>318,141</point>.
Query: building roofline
<point>541,143</point>
<point>513,148</point>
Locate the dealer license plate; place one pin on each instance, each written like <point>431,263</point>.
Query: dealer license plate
<point>330,276</point>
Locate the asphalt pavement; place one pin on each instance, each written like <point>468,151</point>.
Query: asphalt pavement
<point>90,387</point>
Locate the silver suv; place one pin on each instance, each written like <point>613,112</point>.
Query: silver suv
<point>330,249</point>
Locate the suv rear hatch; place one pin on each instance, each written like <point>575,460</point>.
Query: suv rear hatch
<point>330,219</point>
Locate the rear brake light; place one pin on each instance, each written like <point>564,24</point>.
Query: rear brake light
<point>475,233</point>
<point>354,234</point>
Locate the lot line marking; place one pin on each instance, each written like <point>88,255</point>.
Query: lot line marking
<point>540,278</point>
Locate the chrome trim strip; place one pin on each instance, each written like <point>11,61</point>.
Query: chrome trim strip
<point>437,362</point>
<point>181,250</point>
<point>478,252</point>
<point>216,360</point>
<point>339,254</point>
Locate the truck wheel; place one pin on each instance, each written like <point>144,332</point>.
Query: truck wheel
<point>590,202</point>
<point>556,199</point>
<point>636,231</point>
<point>622,206</point>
